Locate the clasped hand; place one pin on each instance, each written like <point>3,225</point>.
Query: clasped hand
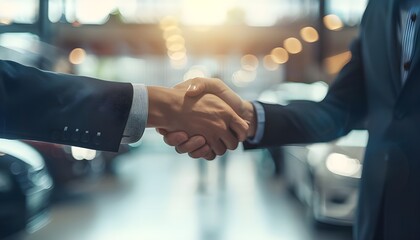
<point>205,118</point>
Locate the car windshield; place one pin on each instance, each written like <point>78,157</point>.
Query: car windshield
<point>356,138</point>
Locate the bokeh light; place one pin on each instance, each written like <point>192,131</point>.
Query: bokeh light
<point>309,34</point>
<point>176,47</point>
<point>333,22</point>
<point>170,31</point>
<point>269,64</point>
<point>243,78</point>
<point>196,71</point>
<point>77,56</point>
<point>279,55</point>
<point>168,22</point>
<point>249,62</point>
<point>177,56</point>
<point>175,39</point>
<point>293,45</point>
<point>179,64</point>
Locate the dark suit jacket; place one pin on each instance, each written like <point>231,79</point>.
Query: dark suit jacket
<point>66,109</point>
<point>369,89</point>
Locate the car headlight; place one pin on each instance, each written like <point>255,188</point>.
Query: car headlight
<point>79,153</point>
<point>343,165</point>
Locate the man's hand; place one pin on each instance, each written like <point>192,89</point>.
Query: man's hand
<point>195,88</point>
<point>205,115</point>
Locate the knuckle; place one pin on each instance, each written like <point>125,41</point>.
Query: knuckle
<point>234,146</point>
<point>180,150</point>
<point>222,151</point>
<point>193,155</point>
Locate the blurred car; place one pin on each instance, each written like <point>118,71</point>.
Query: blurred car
<point>324,176</point>
<point>25,187</point>
<point>69,163</point>
<point>283,94</point>
<point>65,163</point>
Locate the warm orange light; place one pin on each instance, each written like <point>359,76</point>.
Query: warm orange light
<point>279,55</point>
<point>335,63</point>
<point>333,22</point>
<point>170,31</point>
<point>243,78</point>
<point>77,56</point>
<point>269,64</point>
<point>249,62</point>
<point>175,39</point>
<point>179,64</point>
<point>195,71</point>
<point>168,22</point>
<point>177,56</point>
<point>5,21</point>
<point>175,47</point>
<point>293,45</point>
<point>309,34</point>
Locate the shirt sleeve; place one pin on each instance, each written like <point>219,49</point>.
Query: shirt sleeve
<point>260,123</point>
<point>137,118</point>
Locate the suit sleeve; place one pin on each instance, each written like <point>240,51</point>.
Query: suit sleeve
<point>343,109</point>
<point>61,108</point>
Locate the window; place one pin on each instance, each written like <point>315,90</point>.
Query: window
<point>349,11</point>
<point>19,11</point>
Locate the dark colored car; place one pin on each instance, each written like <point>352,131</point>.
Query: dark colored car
<point>69,163</point>
<point>64,166</point>
<point>25,187</point>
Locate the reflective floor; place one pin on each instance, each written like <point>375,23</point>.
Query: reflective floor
<point>159,195</point>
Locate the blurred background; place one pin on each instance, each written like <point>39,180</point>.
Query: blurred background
<point>276,51</point>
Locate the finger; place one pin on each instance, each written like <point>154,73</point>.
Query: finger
<point>175,138</point>
<point>161,131</point>
<point>201,152</point>
<point>229,140</point>
<point>239,127</point>
<point>218,147</point>
<point>210,156</point>
<point>195,89</point>
<point>193,144</point>
<point>203,85</point>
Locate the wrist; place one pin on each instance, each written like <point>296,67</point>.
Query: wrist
<point>162,105</point>
<point>249,115</point>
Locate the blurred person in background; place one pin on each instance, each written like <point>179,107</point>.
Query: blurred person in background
<point>379,86</point>
<point>90,113</point>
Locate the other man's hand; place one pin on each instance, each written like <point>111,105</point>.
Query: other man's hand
<point>205,115</point>
<point>196,87</point>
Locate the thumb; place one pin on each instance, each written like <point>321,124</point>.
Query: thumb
<point>239,127</point>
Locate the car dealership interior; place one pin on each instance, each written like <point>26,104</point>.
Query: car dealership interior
<point>273,51</point>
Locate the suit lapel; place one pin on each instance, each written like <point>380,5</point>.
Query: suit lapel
<point>392,42</point>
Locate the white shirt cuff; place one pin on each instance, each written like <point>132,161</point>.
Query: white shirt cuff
<point>259,132</point>
<point>137,119</point>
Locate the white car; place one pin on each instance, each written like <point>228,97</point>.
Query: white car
<point>324,176</point>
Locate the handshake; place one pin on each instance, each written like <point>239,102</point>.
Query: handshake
<point>201,117</point>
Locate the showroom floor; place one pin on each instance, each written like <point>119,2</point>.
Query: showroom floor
<point>159,195</point>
